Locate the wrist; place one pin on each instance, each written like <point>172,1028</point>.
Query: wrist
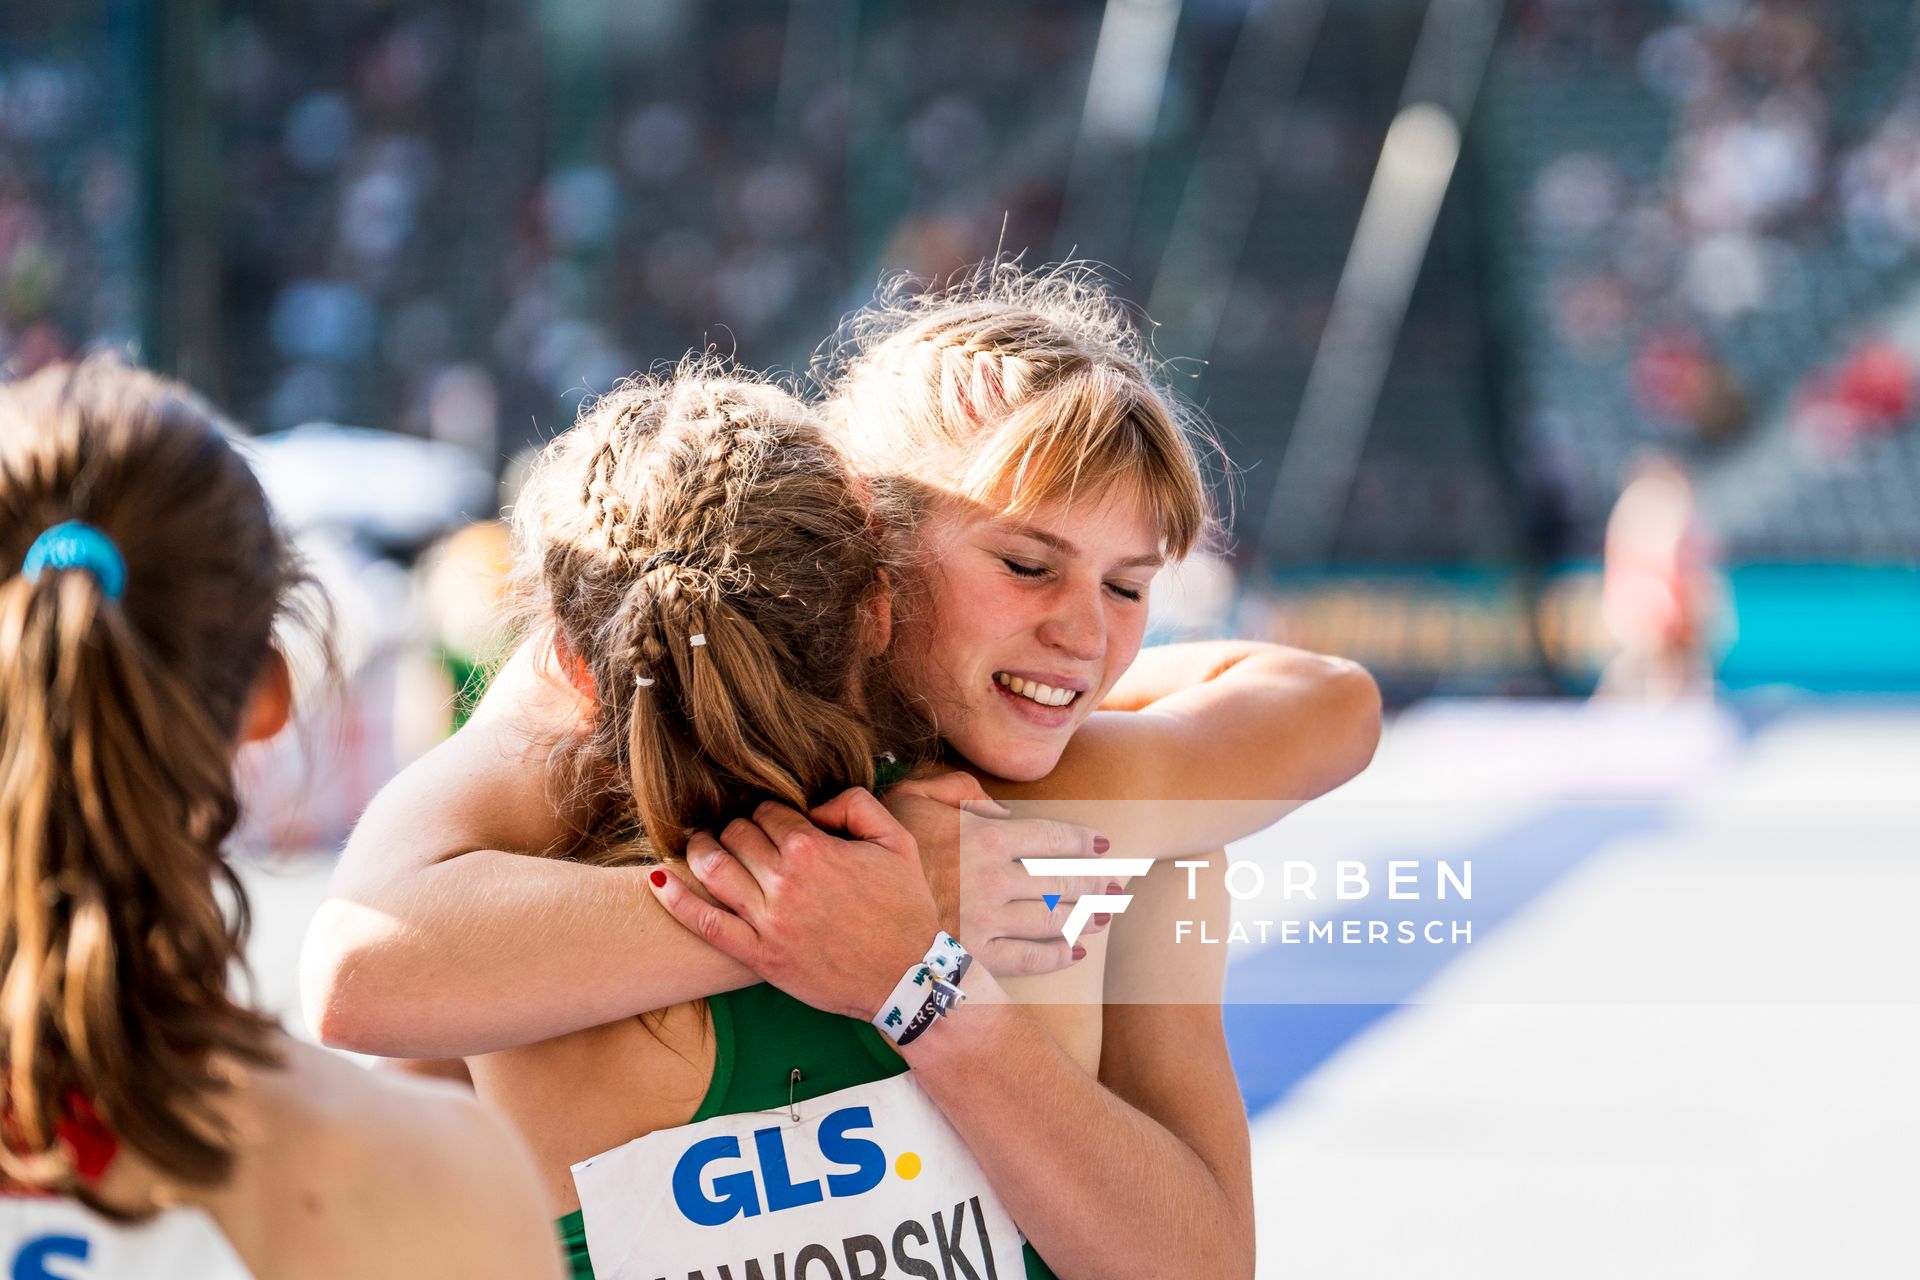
<point>972,1038</point>
<point>891,958</point>
<point>926,991</point>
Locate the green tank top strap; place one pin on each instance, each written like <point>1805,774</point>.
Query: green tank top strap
<point>573,1244</point>
<point>754,1071</point>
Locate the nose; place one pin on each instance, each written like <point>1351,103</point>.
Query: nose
<point>1076,625</point>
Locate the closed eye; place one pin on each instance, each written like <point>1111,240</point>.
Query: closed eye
<point>1024,570</point>
<point>1132,595</point>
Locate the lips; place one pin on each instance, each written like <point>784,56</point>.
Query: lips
<point>1026,704</point>
<point>1045,693</point>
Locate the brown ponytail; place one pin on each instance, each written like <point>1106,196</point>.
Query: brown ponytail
<point>698,545</point>
<point>118,722</point>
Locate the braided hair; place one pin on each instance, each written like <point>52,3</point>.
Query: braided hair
<point>710,561</point>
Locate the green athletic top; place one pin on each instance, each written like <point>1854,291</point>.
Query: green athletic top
<point>759,1035</point>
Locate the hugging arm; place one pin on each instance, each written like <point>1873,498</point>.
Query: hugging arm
<point>1146,1171</point>
<point>1216,740</point>
<point>439,940</point>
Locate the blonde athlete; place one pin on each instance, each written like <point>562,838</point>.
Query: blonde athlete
<point>154,1126</point>
<point>1043,477</point>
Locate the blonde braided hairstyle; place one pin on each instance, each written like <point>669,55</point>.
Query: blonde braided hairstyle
<point>711,564</point>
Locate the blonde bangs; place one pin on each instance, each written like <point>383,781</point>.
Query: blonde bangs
<point>1093,435</point>
<point>1013,388</point>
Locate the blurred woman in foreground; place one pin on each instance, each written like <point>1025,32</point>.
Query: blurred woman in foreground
<point>154,1125</point>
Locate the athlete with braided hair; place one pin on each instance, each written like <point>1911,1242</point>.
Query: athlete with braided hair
<point>704,566</point>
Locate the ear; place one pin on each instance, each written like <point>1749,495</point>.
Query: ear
<point>876,610</point>
<point>573,667</point>
<point>270,705</point>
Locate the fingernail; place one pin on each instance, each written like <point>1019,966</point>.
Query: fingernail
<point>1101,844</point>
<point>1079,952</point>
<point>658,877</point>
<point>1113,886</point>
<point>1102,917</point>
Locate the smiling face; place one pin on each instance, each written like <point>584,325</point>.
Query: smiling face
<point>1014,428</point>
<point>1027,621</point>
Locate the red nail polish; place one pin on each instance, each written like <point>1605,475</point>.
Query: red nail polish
<point>1102,917</point>
<point>658,877</point>
<point>1113,887</point>
<point>1079,952</point>
<point>1101,844</point>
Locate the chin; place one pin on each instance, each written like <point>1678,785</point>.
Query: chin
<point>1014,762</point>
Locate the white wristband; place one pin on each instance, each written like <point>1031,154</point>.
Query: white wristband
<point>947,958</point>
<point>925,992</point>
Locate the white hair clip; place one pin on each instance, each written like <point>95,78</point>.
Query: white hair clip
<point>698,640</point>
<point>643,682</point>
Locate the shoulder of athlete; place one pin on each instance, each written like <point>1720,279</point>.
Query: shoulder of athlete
<point>407,1168</point>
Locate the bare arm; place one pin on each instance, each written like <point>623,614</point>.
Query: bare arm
<point>436,942</point>
<point>1167,1189</point>
<point>1162,670</point>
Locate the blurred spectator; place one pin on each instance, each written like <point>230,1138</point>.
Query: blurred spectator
<point>457,222</point>
<point>1870,392</point>
<point>1677,380</point>
<point>463,585</point>
<point>1659,592</point>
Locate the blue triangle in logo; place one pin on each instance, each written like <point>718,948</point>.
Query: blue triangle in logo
<point>1051,899</point>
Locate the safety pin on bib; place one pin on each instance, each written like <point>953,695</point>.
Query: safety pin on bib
<point>793,1109</point>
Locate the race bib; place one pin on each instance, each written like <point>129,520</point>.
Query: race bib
<point>49,1238</point>
<point>871,1182</point>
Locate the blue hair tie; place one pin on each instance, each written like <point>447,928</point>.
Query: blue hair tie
<point>76,545</point>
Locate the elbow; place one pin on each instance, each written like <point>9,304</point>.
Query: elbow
<point>1361,715</point>
<point>336,1024</point>
<point>1346,715</point>
<point>334,995</point>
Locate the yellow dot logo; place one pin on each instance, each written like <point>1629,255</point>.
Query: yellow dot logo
<point>907,1166</point>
